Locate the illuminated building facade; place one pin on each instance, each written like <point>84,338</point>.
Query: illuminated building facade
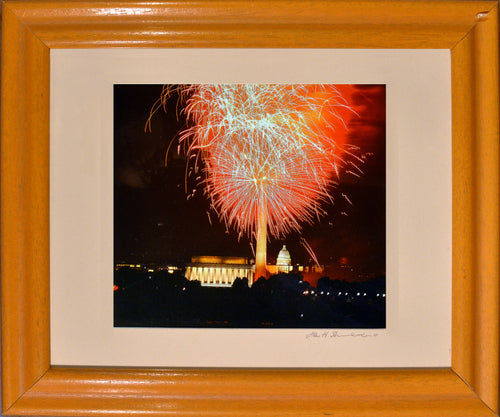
<point>318,269</point>
<point>222,271</point>
<point>219,271</point>
<point>137,267</point>
<point>283,263</point>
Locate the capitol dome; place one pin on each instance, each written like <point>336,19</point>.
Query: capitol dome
<point>284,258</point>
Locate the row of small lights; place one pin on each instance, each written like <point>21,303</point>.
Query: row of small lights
<point>306,292</point>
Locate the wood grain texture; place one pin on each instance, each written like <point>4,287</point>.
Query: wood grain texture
<point>252,392</point>
<point>464,204</point>
<point>487,246</point>
<point>24,209</point>
<point>475,209</point>
<point>31,387</point>
<point>261,23</point>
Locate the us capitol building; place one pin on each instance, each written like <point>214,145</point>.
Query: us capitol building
<point>222,271</point>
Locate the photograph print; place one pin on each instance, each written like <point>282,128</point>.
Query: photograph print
<point>250,206</point>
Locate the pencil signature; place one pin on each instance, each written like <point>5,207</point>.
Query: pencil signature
<point>329,334</point>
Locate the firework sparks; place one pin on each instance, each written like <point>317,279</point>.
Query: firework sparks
<point>271,153</point>
<point>309,250</point>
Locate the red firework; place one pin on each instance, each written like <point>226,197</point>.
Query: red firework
<point>271,153</point>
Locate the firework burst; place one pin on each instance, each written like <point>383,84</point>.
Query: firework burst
<point>271,153</point>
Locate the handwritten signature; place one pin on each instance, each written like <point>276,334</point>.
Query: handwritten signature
<point>327,334</point>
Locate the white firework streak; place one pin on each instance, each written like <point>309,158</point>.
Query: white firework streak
<point>265,146</point>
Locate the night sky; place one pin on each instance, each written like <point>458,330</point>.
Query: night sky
<point>155,222</point>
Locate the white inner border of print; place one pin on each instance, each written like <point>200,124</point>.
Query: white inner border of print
<point>418,332</point>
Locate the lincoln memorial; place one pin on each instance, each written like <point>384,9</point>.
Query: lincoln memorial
<point>219,271</point>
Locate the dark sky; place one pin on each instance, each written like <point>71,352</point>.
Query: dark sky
<point>154,221</point>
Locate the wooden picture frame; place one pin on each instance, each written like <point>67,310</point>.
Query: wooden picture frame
<point>31,386</point>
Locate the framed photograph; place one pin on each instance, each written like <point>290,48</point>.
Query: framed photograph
<point>226,272</point>
<point>162,137</point>
<point>155,239</point>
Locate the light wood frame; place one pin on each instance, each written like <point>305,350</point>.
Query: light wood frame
<point>31,386</point>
